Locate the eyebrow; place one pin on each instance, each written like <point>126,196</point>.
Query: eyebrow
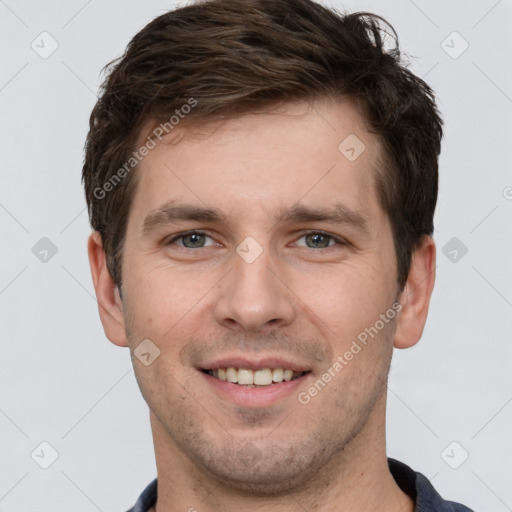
<point>171,212</point>
<point>338,214</point>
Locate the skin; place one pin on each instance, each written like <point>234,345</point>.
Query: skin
<point>296,300</point>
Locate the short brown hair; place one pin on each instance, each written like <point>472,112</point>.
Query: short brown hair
<point>234,56</point>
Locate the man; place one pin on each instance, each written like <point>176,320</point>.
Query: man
<point>261,179</point>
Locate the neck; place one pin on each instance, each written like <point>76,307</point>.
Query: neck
<point>356,479</point>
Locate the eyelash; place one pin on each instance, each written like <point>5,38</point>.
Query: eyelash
<point>338,240</point>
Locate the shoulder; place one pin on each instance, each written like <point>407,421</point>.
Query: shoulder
<point>416,485</point>
<point>147,499</point>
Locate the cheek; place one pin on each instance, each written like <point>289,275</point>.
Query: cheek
<point>346,299</point>
<point>162,297</point>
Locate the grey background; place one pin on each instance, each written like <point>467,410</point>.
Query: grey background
<point>62,382</point>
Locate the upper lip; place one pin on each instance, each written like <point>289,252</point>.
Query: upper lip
<point>255,363</point>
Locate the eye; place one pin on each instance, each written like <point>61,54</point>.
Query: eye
<point>191,240</point>
<point>320,240</point>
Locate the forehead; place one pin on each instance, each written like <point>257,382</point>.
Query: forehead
<point>260,163</point>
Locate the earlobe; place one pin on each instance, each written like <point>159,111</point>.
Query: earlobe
<point>415,297</point>
<point>110,306</point>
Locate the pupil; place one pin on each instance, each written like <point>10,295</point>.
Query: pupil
<point>194,238</point>
<point>320,240</point>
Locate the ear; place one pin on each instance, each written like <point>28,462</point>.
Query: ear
<point>415,297</point>
<point>110,305</point>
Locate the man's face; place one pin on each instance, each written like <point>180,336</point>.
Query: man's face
<point>268,285</point>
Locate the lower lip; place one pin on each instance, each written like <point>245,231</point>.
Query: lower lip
<point>255,397</point>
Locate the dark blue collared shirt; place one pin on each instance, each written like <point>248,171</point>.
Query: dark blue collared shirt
<point>417,486</point>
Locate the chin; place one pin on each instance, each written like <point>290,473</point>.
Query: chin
<point>271,470</point>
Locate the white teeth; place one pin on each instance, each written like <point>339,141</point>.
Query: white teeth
<point>245,376</point>
<point>253,378</point>
<point>277,374</point>
<point>232,375</point>
<point>263,377</point>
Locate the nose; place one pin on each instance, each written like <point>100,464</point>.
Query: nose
<point>253,296</point>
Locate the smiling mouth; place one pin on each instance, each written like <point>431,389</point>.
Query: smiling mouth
<point>246,377</point>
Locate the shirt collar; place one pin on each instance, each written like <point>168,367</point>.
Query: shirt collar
<point>414,484</point>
